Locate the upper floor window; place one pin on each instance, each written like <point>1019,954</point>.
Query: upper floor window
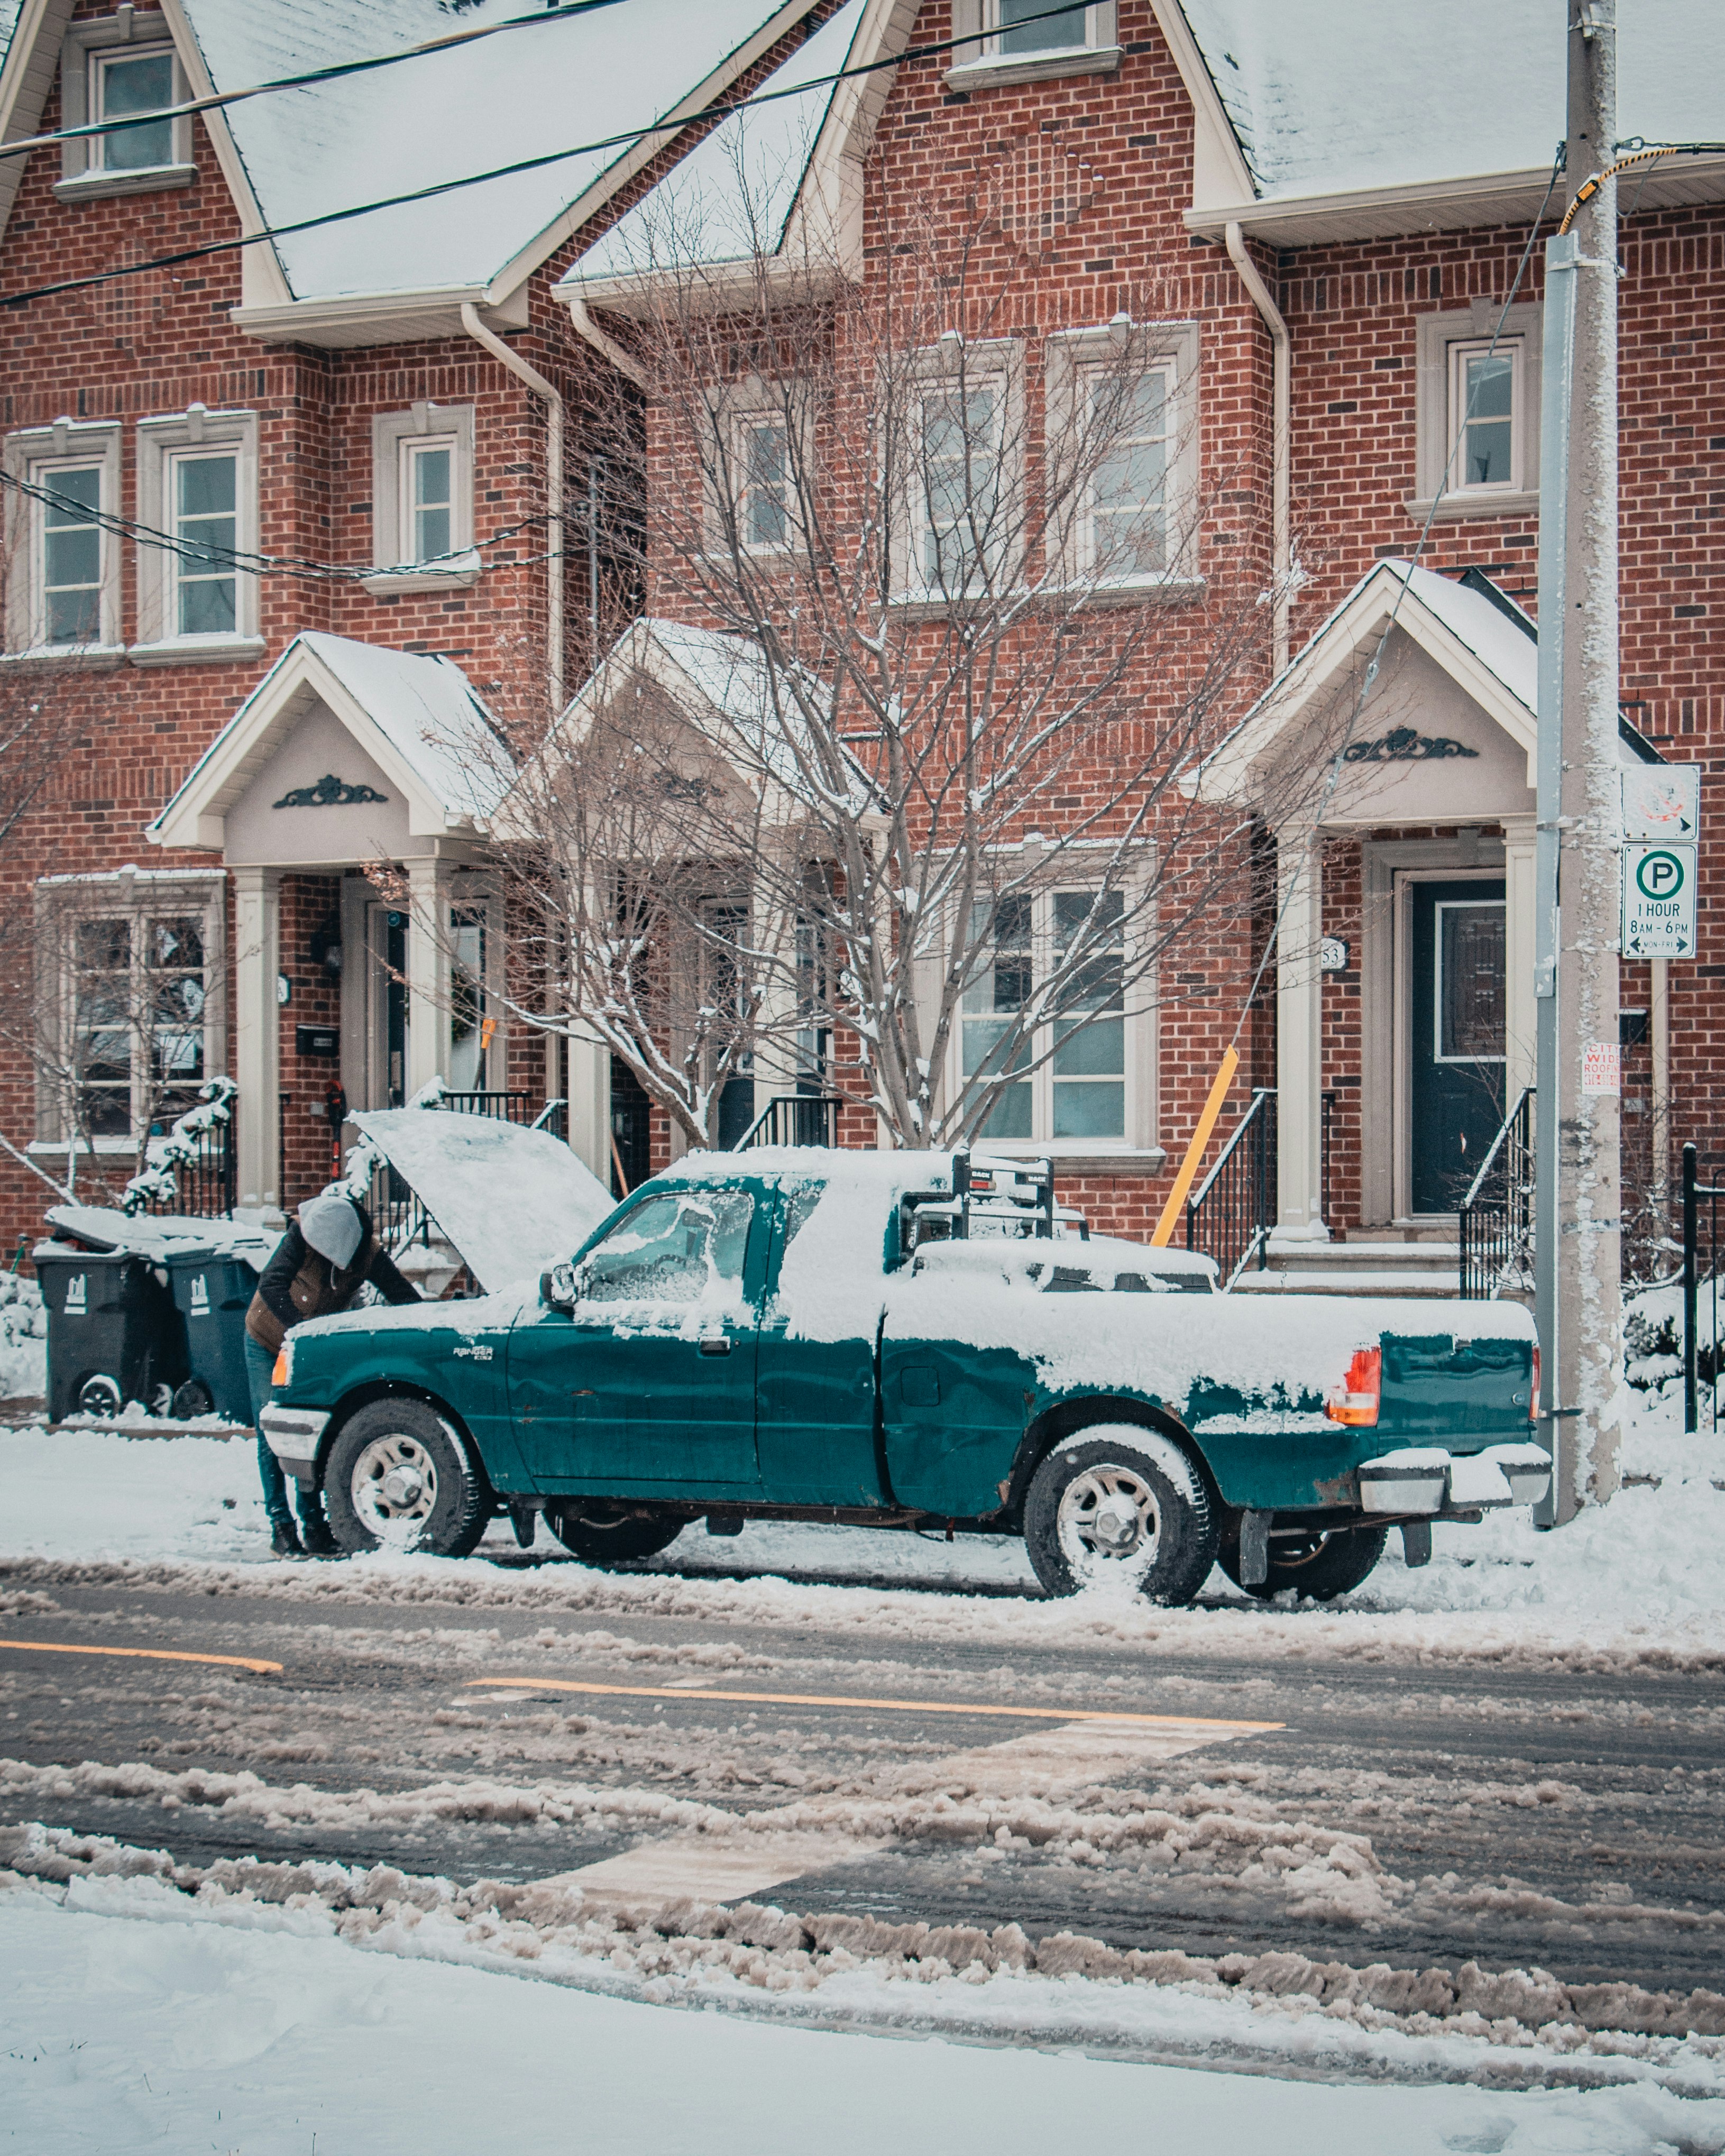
<point>1126,501</point>
<point>112,67</point>
<point>1017,40</point>
<point>961,504</point>
<point>422,500</point>
<point>1476,418</point>
<point>763,472</point>
<point>63,587</point>
<point>1123,467</point>
<point>197,484</point>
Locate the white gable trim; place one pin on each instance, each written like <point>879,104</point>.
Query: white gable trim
<point>299,681</point>
<point>1355,626</point>
<point>1220,171</point>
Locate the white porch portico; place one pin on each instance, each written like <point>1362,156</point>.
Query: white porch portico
<point>347,755</point>
<point>1427,763</point>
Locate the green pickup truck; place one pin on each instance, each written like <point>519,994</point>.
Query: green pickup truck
<point>892,1340</point>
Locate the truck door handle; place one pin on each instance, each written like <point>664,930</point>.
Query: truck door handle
<point>715,1343</point>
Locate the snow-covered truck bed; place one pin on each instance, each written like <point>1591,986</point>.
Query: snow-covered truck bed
<point>806,1334</point>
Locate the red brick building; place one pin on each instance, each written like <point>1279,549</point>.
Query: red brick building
<point>1335,217</point>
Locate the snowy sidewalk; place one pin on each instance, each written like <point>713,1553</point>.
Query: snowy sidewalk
<point>132,2022</point>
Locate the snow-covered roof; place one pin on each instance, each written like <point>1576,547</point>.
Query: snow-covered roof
<point>417,717</point>
<point>1356,95</point>
<point>732,197</point>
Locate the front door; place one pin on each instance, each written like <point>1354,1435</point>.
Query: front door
<point>1457,1010</point>
<point>651,1383</point>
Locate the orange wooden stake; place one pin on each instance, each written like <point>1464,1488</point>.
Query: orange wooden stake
<point>1194,1152</point>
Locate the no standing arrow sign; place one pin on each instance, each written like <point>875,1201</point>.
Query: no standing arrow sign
<point>1659,901</point>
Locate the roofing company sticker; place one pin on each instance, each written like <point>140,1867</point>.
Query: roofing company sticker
<point>1599,1067</point>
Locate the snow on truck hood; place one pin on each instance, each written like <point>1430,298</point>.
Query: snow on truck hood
<point>512,1201</point>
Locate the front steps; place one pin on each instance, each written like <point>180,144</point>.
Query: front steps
<point>1411,1262</point>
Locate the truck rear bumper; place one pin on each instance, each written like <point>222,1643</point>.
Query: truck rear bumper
<point>1426,1479</point>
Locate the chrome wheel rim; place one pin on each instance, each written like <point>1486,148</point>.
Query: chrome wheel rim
<point>394,1486</point>
<point>1108,1515</point>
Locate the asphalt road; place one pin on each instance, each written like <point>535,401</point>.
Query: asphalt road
<point>1360,1811</point>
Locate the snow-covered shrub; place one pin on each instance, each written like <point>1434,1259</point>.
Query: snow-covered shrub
<point>24,1338</point>
<point>1653,1334</point>
<point>159,1184</point>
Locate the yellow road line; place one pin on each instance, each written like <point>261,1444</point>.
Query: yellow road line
<point>902,1706</point>
<point>148,1654</point>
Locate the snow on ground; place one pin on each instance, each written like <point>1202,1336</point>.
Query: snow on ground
<point>136,2017</point>
<point>1640,1579</point>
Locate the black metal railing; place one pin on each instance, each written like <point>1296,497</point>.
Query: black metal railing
<point>1496,1216</point>
<point>204,1175</point>
<point>794,1119</point>
<point>1231,1218</point>
<point>1326,1111</point>
<point>553,1118</point>
<point>505,1107</point>
<point>1701,1329</point>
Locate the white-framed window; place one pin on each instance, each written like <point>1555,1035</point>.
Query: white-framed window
<point>197,585</point>
<point>1477,416</point>
<point>112,67</point>
<point>765,484</point>
<point>1011,43</point>
<point>1487,422</point>
<point>961,511</point>
<point>422,500</point>
<point>1047,1005</point>
<point>1122,462</point>
<point>63,589</point>
<point>130,966</point>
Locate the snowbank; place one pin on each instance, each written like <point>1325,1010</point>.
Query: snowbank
<point>136,2014</point>
<point>1638,1580</point>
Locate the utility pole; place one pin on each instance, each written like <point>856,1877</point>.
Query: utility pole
<point>1580,1200</point>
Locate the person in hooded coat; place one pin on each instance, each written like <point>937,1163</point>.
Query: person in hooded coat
<point>320,1265</point>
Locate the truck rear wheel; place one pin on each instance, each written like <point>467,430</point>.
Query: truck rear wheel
<point>1120,1503</point>
<point>601,1533</point>
<point>399,1476</point>
<point>1321,1565</point>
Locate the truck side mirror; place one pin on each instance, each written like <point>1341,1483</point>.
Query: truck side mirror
<point>559,1289</point>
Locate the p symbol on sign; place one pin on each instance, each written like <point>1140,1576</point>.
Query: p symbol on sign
<point>1659,875</point>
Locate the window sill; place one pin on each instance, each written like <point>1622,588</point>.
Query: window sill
<point>97,658</point>
<point>1098,1155</point>
<point>457,574</point>
<point>1127,591</point>
<point>96,187</point>
<point>997,71</point>
<point>103,1148</point>
<point>1452,508</point>
<point>196,651</point>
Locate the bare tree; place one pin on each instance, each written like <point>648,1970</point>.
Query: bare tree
<point>892,793</point>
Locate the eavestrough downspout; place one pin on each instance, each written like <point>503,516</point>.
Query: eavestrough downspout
<point>1281,399</point>
<point>537,383</point>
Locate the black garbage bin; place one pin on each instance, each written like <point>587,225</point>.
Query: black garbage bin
<point>114,1334</point>
<point>212,1290</point>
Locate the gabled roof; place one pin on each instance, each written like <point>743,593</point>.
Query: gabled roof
<point>1491,654</point>
<point>780,183</point>
<point>417,717</point>
<point>1354,117</point>
<point>570,79</point>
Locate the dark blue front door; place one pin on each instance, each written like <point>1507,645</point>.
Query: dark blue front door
<point>1457,1011</point>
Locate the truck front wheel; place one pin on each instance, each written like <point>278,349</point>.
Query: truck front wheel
<point>1119,1503</point>
<point>1319,1565</point>
<point>400,1477</point>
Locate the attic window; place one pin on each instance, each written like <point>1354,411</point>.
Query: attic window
<point>1007,41</point>
<point>113,67</point>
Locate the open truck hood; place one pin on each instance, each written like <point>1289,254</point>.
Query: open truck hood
<point>512,1201</point>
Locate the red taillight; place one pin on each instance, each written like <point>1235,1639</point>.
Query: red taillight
<point>1533,1397</point>
<point>1357,1403</point>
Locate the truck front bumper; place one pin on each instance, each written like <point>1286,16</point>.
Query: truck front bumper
<point>1427,1480</point>
<point>293,1434</point>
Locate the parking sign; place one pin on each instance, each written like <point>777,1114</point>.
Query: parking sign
<point>1658,902</point>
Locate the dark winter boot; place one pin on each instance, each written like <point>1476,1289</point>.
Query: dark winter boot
<point>315,1537</point>
<point>284,1542</point>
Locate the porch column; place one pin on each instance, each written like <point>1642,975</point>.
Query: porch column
<point>256,1032</point>
<point>590,1106</point>
<point>1519,1007</point>
<point>427,973</point>
<point>1299,1036</point>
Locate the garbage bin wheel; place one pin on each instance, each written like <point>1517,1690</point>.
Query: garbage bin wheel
<point>99,1396</point>
<point>193,1400</point>
<point>400,1476</point>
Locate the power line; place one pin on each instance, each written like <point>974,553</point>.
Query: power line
<point>668,128</point>
<point>1637,153</point>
